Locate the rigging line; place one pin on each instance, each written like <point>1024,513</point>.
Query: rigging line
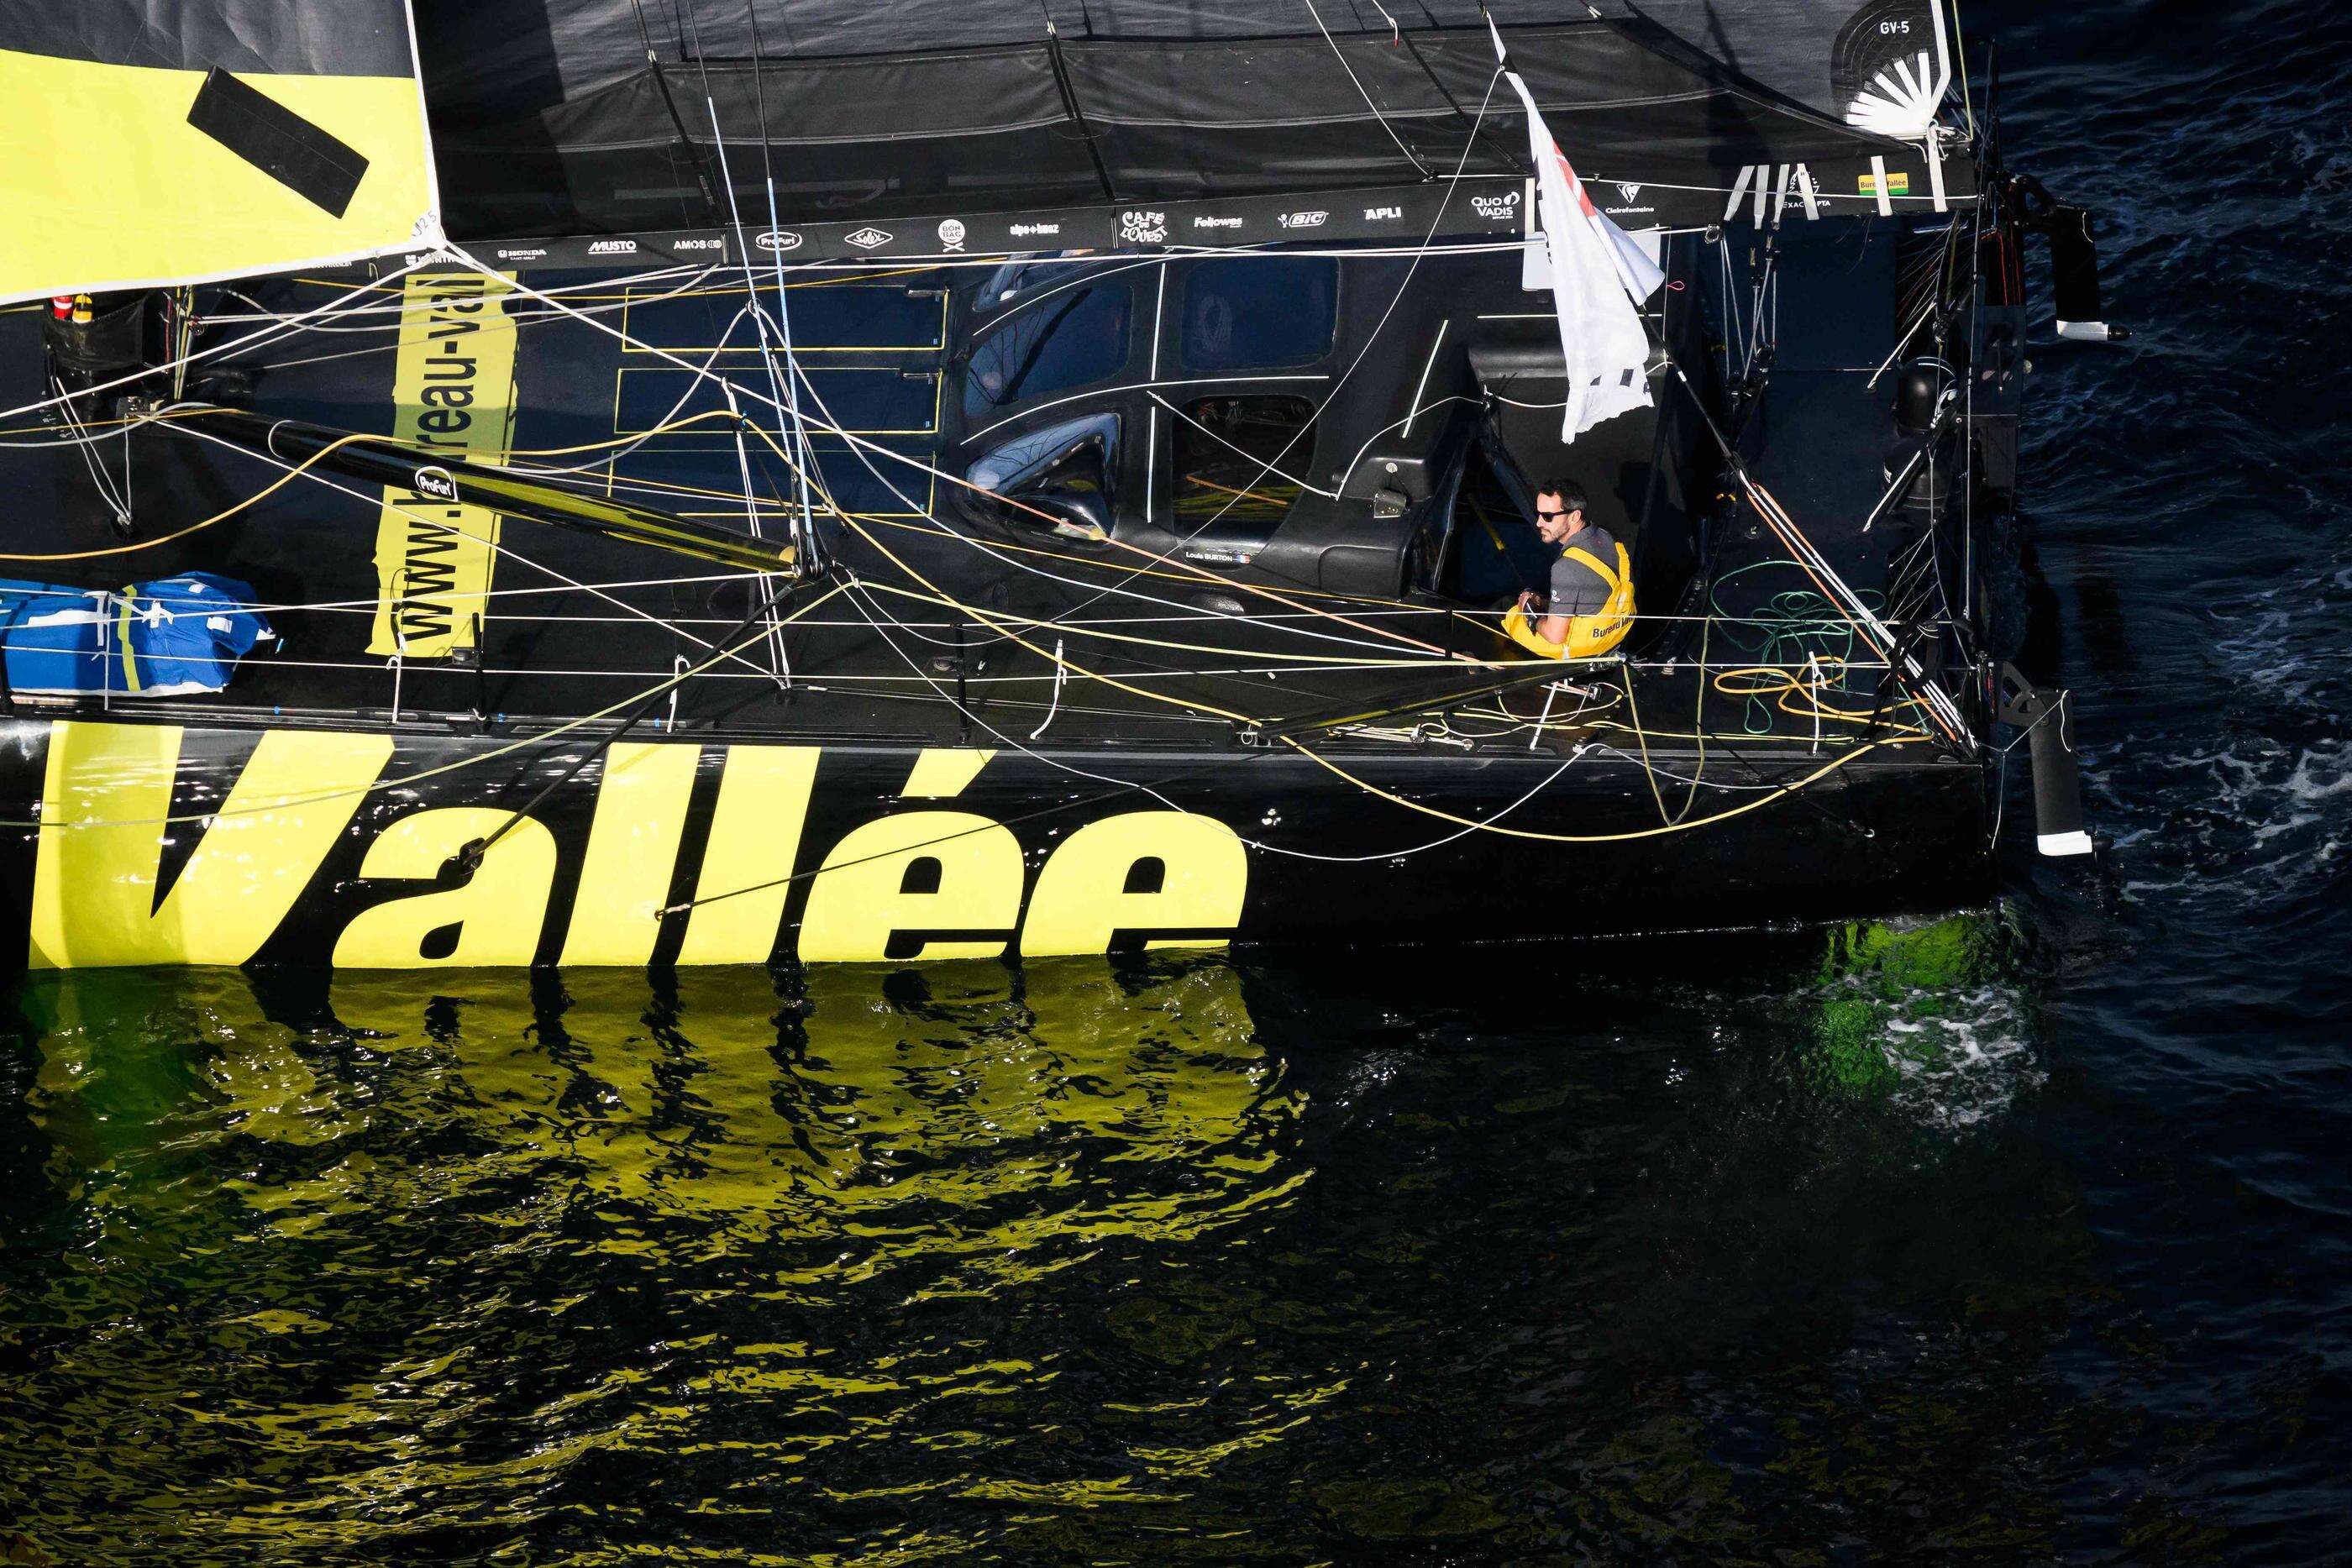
<point>1016,637</point>
<point>470,854</point>
<point>615,448</point>
<point>1415,412</point>
<point>1468,824</point>
<point>1412,269</point>
<point>1370,789</point>
<point>425,308</point>
<point>1939,705</point>
<point>862,445</point>
<point>1341,55</point>
<point>1148,388</point>
<point>1203,611</point>
<point>1695,782</point>
<point>1641,738</point>
<point>414,516</point>
<point>688,273</point>
<point>1248,456</point>
<point>189,358</point>
<point>1115,263</point>
<point>1059,807</point>
<point>995,618</point>
<point>1817,567</point>
<point>1119,588</point>
<point>652,63</point>
<point>93,462</point>
<point>751,282</point>
<point>972,716</point>
<point>1698,718</point>
<point>1428,243</point>
<point>1324,762</point>
<point>287,478</point>
<point>760,98</point>
<point>776,388</point>
<point>439,771</point>
<point>1487,824</point>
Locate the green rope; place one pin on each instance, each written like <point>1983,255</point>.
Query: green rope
<point>1789,628</point>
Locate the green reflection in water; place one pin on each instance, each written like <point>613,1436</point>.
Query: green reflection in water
<point>1901,1001</point>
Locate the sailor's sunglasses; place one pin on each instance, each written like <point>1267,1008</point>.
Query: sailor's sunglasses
<point>1542,515</point>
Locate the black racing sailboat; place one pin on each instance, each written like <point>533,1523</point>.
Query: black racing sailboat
<point>607,483</point>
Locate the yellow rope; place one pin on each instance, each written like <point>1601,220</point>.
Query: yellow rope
<point>261,494</point>
<point>1371,789</point>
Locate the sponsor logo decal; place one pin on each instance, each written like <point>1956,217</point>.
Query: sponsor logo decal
<point>1381,214</point>
<point>777,241</point>
<point>1630,193</point>
<point>453,389</point>
<point>713,244</point>
<point>1898,182</point>
<point>1314,220</point>
<point>867,239</point>
<point>1025,231</point>
<point>1502,209</point>
<point>951,234</point>
<point>1207,221</point>
<point>255,874</point>
<point>527,252</point>
<point>1138,225</point>
<point>612,247</point>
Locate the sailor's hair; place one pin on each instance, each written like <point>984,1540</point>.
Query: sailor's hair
<point>1571,498</point>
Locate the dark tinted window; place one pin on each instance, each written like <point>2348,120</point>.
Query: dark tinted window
<point>1231,455</point>
<point>1064,340</point>
<point>1246,312</point>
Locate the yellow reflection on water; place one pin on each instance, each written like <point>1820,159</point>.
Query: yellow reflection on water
<point>443,1241</point>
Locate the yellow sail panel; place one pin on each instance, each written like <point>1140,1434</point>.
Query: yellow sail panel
<point>120,176</point>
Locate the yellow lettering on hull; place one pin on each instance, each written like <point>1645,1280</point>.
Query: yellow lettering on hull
<point>1082,902</point>
<point>107,792</point>
<point>632,853</point>
<point>866,892</point>
<point>747,865</point>
<point>497,912</point>
<point>937,883</point>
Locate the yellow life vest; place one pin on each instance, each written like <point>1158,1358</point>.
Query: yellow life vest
<point>1588,636</point>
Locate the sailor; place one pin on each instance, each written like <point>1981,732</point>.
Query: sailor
<point>1591,605</point>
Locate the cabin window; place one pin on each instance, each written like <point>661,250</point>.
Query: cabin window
<point>1058,479</point>
<point>1062,340</point>
<point>1251,312</point>
<point>1232,453</point>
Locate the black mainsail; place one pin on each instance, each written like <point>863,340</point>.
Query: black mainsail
<point>597,124</point>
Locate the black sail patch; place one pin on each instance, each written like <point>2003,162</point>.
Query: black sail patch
<point>279,142</point>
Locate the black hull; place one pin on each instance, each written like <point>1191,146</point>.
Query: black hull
<point>334,846</point>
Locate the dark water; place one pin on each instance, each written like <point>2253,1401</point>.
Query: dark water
<point>2015,1236</point>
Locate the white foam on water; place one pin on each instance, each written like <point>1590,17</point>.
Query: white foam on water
<point>1968,1058</point>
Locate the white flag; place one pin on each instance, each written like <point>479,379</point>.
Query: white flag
<point>1597,277</point>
